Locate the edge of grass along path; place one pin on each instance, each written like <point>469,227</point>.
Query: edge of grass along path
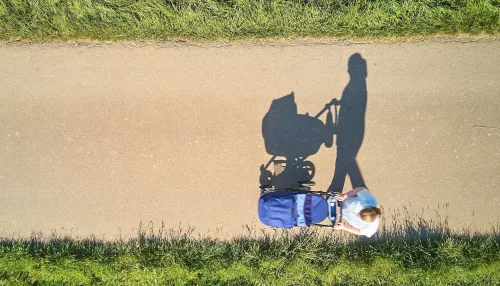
<point>289,42</point>
<point>231,20</point>
<point>412,252</point>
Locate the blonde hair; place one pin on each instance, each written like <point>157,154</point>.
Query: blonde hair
<point>369,214</point>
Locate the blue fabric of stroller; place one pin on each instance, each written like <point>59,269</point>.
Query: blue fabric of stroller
<point>277,209</point>
<point>311,209</point>
<point>319,208</point>
<point>286,210</point>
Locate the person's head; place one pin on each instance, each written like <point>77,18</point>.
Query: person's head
<point>369,214</point>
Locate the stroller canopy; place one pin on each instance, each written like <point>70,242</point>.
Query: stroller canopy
<point>286,210</point>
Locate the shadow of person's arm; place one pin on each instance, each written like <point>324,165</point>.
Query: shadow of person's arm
<point>336,102</point>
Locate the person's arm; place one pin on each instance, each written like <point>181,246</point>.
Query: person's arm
<point>350,194</point>
<point>353,193</point>
<point>348,228</point>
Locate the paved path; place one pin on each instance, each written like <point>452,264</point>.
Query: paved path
<point>99,138</point>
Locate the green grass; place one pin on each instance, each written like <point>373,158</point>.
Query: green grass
<point>55,20</point>
<point>415,253</point>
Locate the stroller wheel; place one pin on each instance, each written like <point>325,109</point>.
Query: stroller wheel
<point>307,183</point>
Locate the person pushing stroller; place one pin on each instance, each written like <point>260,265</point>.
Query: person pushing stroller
<point>360,210</point>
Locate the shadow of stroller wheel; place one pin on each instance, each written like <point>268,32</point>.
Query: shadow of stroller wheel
<point>307,183</point>
<point>266,189</point>
<point>307,171</point>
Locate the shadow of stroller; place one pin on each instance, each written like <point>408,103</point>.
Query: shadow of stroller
<point>295,137</point>
<point>350,128</point>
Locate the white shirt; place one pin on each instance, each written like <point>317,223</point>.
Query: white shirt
<point>352,206</point>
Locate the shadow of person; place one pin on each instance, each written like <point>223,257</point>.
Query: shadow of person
<point>295,137</point>
<point>350,128</point>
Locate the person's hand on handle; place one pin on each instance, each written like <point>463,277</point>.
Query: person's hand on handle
<point>339,226</point>
<point>352,193</point>
<point>339,196</point>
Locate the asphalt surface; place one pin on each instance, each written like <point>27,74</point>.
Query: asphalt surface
<point>95,139</point>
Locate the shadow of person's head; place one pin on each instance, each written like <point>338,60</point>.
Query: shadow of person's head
<point>357,67</point>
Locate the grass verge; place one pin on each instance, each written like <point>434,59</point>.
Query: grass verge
<point>416,253</point>
<point>55,20</point>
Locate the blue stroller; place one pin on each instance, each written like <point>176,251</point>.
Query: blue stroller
<point>290,208</point>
